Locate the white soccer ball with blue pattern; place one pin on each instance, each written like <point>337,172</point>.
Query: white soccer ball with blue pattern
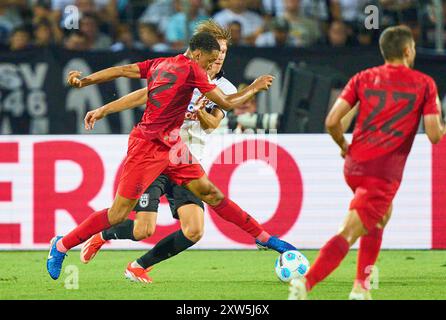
<point>290,265</point>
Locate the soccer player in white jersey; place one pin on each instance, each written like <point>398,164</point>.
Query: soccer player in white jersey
<point>202,117</point>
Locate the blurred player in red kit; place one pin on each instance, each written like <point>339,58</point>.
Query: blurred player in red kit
<point>392,99</point>
<point>154,142</point>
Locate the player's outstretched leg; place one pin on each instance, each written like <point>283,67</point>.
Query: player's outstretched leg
<point>92,246</point>
<point>230,211</point>
<point>330,256</point>
<point>369,247</point>
<point>95,223</point>
<point>275,243</point>
<point>192,228</point>
<point>141,228</point>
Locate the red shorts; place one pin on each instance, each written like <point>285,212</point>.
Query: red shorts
<point>145,161</point>
<point>372,198</point>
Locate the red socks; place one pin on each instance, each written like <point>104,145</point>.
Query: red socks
<point>231,212</point>
<point>96,222</point>
<point>335,251</point>
<point>328,260</point>
<point>368,252</point>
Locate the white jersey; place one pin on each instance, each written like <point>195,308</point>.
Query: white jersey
<point>191,132</point>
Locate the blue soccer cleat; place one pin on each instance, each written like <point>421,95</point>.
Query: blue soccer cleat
<point>55,259</point>
<point>276,244</point>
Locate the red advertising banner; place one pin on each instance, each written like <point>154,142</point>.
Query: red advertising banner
<point>292,184</point>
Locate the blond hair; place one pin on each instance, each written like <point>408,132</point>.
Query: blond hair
<point>217,31</point>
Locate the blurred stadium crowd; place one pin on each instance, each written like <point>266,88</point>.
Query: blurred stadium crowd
<point>162,25</point>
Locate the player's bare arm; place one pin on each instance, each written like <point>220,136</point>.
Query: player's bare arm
<point>127,71</point>
<point>348,119</point>
<point>129,101</point>
<point>434,125</point>
<point>229,102</point>
<point>210,121</point>
<point>334,126</point>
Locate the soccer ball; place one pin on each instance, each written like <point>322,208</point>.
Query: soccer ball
<point>291,264</point>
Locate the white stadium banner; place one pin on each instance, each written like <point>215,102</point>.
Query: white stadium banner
<point>293,184</point>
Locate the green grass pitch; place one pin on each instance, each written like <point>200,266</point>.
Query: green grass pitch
<point>234,275</point>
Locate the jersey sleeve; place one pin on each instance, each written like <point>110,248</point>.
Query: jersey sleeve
<point>144,67</point>
<point>430,98</point>
<point>199,79</point>
<point>350,92</point>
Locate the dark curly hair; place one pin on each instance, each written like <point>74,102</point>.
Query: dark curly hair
<point>204,41</point>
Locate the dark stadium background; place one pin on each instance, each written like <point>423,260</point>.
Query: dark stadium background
<point>324,39</point>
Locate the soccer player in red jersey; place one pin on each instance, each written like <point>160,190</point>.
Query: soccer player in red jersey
<point>184,205</point>
<point>171,82</point>
<point>392,99</point>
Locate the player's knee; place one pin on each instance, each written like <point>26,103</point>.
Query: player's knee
<point>139,233</point>
<point>218,196</point>
<point>150,230</point>
<point>194,234</point>
<point>213,196</point>
<point>382,224</point>
<point>143,232</point>
<point>208,192</point>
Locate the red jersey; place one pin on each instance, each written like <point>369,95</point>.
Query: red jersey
<point>171,83</point>
<point>392,100</point>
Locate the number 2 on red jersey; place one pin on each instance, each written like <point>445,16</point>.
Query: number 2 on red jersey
<point>382,102</point>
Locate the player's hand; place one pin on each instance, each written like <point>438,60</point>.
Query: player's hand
<point>74,80</point>
<point>201,110</point>
<point>92,117</point>
<point>201,107</point>
<point>263,82</point>
<point>202,102</point>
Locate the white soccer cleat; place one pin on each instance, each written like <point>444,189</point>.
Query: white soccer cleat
<point>359,293</point>
<point>298,289</point>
